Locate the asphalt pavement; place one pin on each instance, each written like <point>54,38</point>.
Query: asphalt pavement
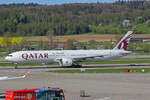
<point>118,86</point>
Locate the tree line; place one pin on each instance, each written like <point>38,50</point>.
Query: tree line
<point>68,19</point>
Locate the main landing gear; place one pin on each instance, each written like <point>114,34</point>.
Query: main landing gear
<point>76,65</point>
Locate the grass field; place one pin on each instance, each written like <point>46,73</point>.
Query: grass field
<point>122,61</point>
<point>115,61</point>
<point>120,70</point>
<point>4,64</point>
<point>85,37</point>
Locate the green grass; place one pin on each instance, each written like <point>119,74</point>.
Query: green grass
<point>142,28</point>
<point>143,53</point>
<point>115,61</point>
<point>122,61</point>
<point>120,70</point>
<point>21,64</point>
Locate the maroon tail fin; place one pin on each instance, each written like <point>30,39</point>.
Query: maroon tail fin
<point>123,44</point>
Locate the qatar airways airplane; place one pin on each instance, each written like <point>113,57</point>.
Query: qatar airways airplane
<point>71,58</point>
<point>16,77</point>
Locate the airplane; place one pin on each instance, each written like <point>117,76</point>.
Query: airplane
<point>10,78</point>
<point>71,58</point>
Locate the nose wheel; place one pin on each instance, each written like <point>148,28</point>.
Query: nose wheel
<point>16,65</point>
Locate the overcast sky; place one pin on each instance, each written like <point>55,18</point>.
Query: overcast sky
<point>52,2</point>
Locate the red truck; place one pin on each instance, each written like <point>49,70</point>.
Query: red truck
<point>35,94</point>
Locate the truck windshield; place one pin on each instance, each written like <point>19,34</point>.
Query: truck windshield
<point>50,95</point>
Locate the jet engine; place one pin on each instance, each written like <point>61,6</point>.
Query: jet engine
<point>65,62</point>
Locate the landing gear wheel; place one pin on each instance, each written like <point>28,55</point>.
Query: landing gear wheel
<point>16,65</point>
<point>76,66</point>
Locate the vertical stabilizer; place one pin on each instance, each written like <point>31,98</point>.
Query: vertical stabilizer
<point>123,43</point>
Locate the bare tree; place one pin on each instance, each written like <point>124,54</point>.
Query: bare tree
<point>7,42</point>
<point>50,37</point>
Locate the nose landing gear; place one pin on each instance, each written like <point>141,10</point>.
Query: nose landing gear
<point>16,65</point>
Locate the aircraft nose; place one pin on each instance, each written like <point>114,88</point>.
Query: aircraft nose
<point>7,58</point>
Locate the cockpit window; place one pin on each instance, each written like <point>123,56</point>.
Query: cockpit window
<point>10,55</point>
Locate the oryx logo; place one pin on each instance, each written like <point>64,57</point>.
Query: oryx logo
<point>124,43</point>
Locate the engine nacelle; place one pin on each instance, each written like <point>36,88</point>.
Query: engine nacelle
<point>66,62</point>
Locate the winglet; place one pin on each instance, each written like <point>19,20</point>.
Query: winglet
<point>124,41</point>
<point>26,74</point>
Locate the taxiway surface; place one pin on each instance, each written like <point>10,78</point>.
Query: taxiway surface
<point>118,86</point>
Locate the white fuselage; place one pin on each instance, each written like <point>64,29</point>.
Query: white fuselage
<point>9,78</point>
<point>70,57</point>
<point>50,56</point>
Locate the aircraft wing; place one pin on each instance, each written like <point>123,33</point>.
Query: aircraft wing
<point>86,57</point>
<point>82,57</point>
<point>75,58</point>
<point>3,78</point>
<point>9,78</point>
